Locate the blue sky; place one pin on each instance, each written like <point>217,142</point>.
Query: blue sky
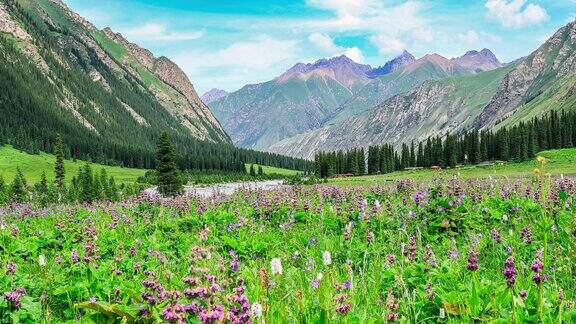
<point>229,43</point>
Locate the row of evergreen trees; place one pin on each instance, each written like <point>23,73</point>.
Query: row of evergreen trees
<point>517,143</point>
<point>86,186</point>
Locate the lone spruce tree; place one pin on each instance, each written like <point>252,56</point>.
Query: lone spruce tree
<point>59,166</point>
<point>169,182</point>
<point>19,188</point>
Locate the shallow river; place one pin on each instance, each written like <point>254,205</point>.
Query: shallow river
<point>226,189</point>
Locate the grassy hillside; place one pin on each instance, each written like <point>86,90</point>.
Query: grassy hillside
<point>32,166</point>
<point>561,162</point>
<point>273,170</point>
<point>387,86</point>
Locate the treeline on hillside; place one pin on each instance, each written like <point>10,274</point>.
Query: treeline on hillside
<point>86,186</point>
<point>30,119</point>
<point>517,143</point>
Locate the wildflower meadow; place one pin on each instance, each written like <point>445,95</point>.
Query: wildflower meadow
<point>441,251</point>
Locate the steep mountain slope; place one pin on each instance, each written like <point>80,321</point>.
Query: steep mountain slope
<point>429,67</point>
<point>434,107</point>
<point>299,100</point>
<point>109,98</point>
<point>543,81</point>
<point>213,95</point>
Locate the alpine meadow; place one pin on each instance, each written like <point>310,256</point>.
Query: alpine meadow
<point>308,161</point>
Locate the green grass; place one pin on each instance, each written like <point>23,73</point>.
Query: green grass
<point>561,162</point>
<point>274,170</point>
<point>32,167</point>
<point>114,49</point>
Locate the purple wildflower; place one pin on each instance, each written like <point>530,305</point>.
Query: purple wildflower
<point>74,256</point>
<point>418,198</point>
<point>174,314</point>
<point>391,258</point>
<point>412,248</point>
<point>212,314</point>
<point>510,271</point>
<point>343,309</point>
<point>13,297</point>
<point>537,268</point>
<point>496,237</point>
<point>347,285</point>
<point>526,235</point>
<point>11,268</point>
<point>473,260</point>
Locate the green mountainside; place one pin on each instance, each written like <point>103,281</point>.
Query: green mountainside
<point>110,99</point>
<point>263,114</point>
<point>430,67</point>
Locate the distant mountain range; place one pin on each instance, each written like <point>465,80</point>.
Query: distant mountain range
<point>310,96</point>
<point>476,92</point>
<point>299,100</point>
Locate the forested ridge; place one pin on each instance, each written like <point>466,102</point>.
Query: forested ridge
<point>55,94</point>
<point>516,143</point>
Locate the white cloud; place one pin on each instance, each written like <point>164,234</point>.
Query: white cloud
<point>367,15</point>
<point>355,54</point>
<point>515,13</point>
<point>259,53</point>
<point>323,42</point>
<point>392,27</point>
<point>159,32</point>
<point>256,60</point>
<point>423,34</point>
<point>470,37</point>
<point>388,45</point>
<point>327,46</point>
<point>343,7</point>
<point>473,37</point>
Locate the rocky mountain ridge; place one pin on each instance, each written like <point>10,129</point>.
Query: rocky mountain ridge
<point>549,72</point>
<point>478,62</point>
<point>395,64</point>
<point>340,68</point>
